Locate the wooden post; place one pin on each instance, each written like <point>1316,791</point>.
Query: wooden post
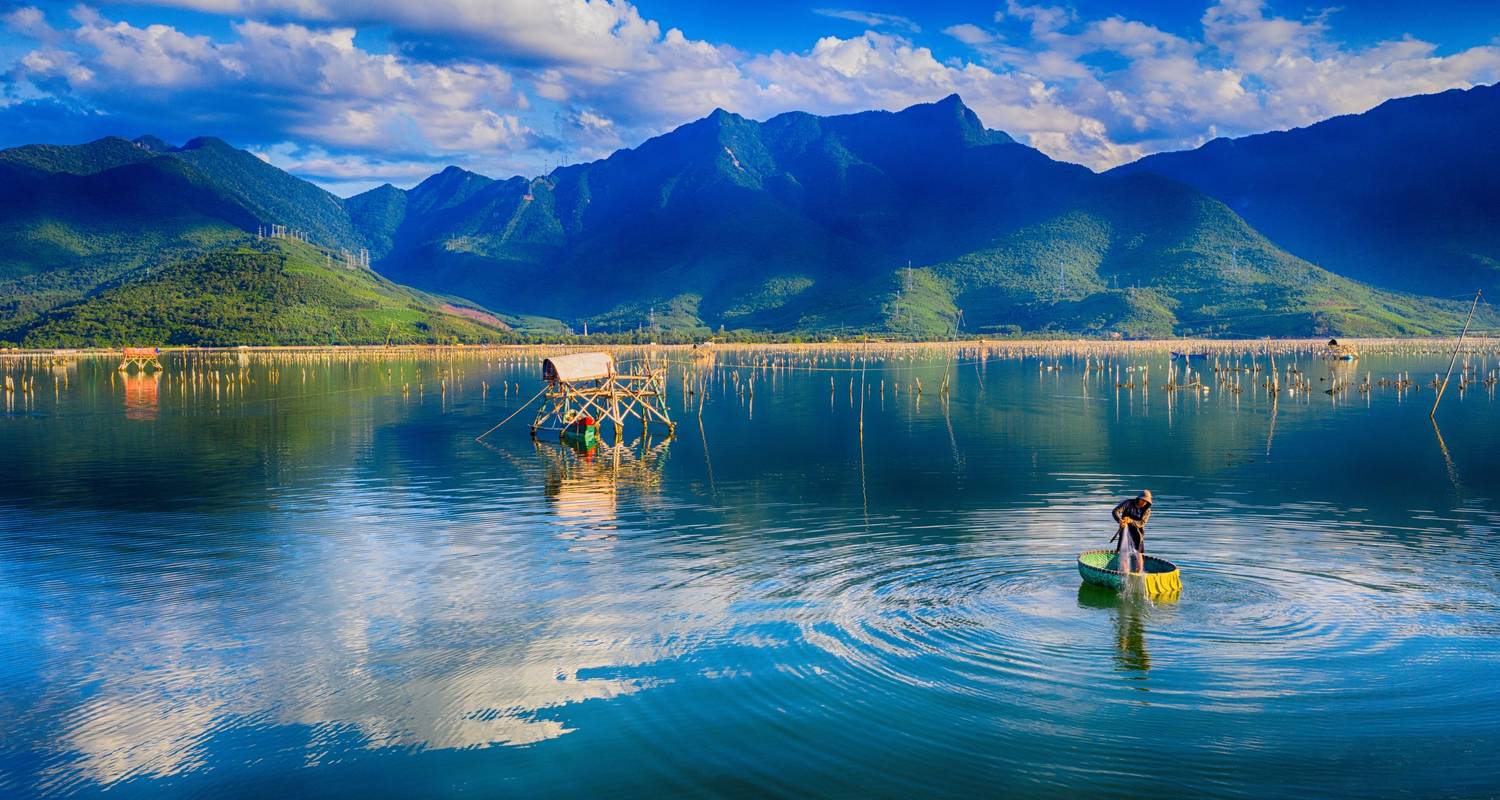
<point>1454,360</point>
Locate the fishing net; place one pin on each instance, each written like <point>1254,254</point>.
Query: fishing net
<point>1129,556</point>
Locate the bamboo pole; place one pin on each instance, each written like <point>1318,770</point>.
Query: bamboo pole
<point>1444,385</point>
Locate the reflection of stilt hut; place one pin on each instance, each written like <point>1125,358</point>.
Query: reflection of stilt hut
<point>585,387</point>
<point>582,484</point>
<point>142,391</point>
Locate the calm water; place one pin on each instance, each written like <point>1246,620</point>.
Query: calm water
<point>317,583</point>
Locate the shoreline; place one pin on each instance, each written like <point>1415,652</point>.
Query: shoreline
<point>998,347</point>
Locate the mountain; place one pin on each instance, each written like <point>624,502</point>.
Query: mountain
<point>1404,196</point>
<point>806,223</point>
<point>257,292</point>
<point>73,218</point>
<point>268,194</point>
<point>916,223</point>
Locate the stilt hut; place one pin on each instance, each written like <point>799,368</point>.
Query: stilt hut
<point>586,389</point>
<point>1341,352</point>
<point>142,358</point>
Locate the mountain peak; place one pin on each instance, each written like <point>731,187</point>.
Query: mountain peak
<point>206,143</point>
<point>151,143</point>
<point>719,118</point>
<point>951,111</point>
<point>455,174</point>
<point>451,186</point>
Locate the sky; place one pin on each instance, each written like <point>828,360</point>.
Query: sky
<point>355,93</point>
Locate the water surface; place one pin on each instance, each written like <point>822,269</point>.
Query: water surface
<point>291,575</point>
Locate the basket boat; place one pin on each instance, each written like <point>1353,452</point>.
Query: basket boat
<point>1099,567</point>
<point>581,433</point>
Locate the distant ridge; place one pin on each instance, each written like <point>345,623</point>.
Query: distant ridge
<point>798,224</point>
<point>1406,195</point>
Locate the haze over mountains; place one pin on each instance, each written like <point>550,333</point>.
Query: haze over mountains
<point>807,224</point>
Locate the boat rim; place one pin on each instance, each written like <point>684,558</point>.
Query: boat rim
<point>1172,567</point>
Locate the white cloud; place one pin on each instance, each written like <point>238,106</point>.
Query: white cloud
<point>969,34</point>
<point>30,22</point>
<point>1043,19</point>
<point>346,173</point>
<point>873,19</point>
<point>1301,75</point>
<point>317,83</point>
<point>1249,72</point>
<point>463,74</point>
<point>604,34</point>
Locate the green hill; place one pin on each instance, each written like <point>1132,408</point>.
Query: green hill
<point>258,292</point>
<point>78,217</point>
<point>83,159</point>
<point>1149,257</point>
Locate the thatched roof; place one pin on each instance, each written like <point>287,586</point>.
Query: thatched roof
<point>578,367</point>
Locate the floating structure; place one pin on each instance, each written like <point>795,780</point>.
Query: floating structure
<point>1100,567</point>
<point>585,389</point>
<point>1341,352</point>
<point>142,358</point>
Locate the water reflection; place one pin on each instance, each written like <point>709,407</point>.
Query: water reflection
<point>583,481</point>
<point>335,591</point>
<point>1130,611</point>
<point>142,392</point>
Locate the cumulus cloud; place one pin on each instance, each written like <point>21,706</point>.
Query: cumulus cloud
<point>311,83</point>
<point>606,34</point>
<point>524,83</point>
<point>1249,71</point>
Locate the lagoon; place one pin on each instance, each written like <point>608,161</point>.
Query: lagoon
<point>297,573</point>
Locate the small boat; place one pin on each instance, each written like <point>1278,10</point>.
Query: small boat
<point>1176,356</point>
<point>582,431</point>
<point>1100,567</point>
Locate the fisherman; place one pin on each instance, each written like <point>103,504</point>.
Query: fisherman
<point>1131,516</point>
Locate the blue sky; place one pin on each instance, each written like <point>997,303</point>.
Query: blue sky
<point>354,93</point>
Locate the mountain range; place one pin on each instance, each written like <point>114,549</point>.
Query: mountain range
<point>918,223</point>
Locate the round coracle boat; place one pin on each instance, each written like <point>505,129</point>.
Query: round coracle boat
<point>1100,567</point>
